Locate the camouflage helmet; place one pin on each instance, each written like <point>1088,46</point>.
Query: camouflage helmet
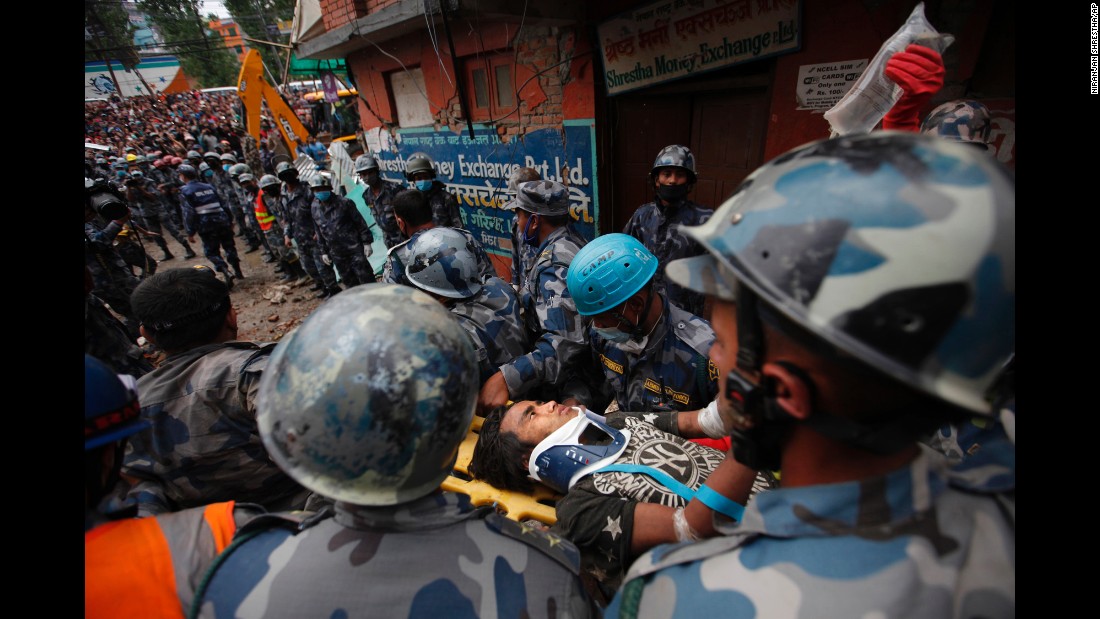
<point>369,399</point>
<point>541,198</point>
<point>203,167</point>
<point>229,158</point>
<point>188,170</point>
<point>194,154</point>
<point>245,178</point>
<point>418,162</point>
<point>268,180</point>
<point>366,162</point>
<point>675,156</point>
<point>211,155</point>
<point>284,170</point>
<point>111,409</point>
<point>962,120</point>
<point>895,248</point>
<point>237,169</point>
<point>608,271</point>
<point>441,260</point>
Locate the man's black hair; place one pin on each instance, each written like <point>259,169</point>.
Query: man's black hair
<point>498,457</point>
<point>412,206</point>
<point>181,308</point>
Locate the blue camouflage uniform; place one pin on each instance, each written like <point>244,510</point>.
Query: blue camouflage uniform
<point>559,333</point>
<point>657,227</point>
<point>494,323</point>
<point>154,215</point>
<point>925,540</point>
<point>342,233</point>
<point>204,213</point>
<point>204,445</point>
<point>397,257</point>
<point>112,279</point>
<point>523,255</point>
<point>299,226</point>
<point>381,207</point>
<point>434,557</point>
<point>444,206</point>
<point>672,373</point>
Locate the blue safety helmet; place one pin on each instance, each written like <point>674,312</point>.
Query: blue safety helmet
<point>608,271</point>
<point>111,410</point>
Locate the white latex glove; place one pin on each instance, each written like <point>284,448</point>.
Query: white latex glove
<point>326,260</point>
<point>368,250</point>
<point>713,423</point>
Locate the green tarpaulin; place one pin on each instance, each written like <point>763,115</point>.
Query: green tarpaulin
<point>299,67</point>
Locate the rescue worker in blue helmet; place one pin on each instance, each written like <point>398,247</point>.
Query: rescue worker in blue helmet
<point>378,450</point>
<point>864,294</point>
<point>653,354</point>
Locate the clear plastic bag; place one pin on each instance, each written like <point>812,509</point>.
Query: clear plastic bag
<point>873,94</point>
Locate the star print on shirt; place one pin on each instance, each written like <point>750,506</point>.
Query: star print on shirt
<point>598,573</point>
<point>613,527</point>
<point>608,554</point>
<point>650,418</point>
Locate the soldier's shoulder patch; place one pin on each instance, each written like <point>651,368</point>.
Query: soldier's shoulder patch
<point>294,521</point>
<point>548,543</point>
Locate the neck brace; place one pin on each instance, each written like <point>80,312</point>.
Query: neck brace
<point>560,460</point>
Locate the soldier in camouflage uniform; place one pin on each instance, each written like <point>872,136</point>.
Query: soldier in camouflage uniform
<point>105,336</point>
<point>112,279</point>
<point>342,234</point>
<point>413,216</point>
<point>657,224</point>
<point>421,176</point>
<point>652,353</point>
<point>221,181</point>
<point>611,515</point>
<point>298,227</point>
<point>864,293</point>
<point>523,254</point>
<point>270,212</point>
<point>143,193</point>
<point>442,263</point>
<point>204,445</point>
<point>392,544</point>
<point>379,196</point>
<point>558,332</point>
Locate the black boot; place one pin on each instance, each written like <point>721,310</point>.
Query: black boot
<point>237,270</point>
<point>167,254</point>
<point>287,272</point>
<point>228,279</point>
<point>317,286</point>
<point>190,253</point>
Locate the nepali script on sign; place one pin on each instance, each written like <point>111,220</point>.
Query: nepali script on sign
<point>676,38</point>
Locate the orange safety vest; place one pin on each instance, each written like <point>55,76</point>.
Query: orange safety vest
<point>131,566</point>
<point>262,216</point>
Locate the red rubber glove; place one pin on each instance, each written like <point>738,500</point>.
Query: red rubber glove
<point>919,72</point>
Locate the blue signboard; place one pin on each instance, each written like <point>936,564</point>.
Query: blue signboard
<point>476,171</point>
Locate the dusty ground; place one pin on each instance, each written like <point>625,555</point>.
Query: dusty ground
<point>267,308</point>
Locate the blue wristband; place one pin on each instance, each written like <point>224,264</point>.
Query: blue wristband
<point>719,503</point>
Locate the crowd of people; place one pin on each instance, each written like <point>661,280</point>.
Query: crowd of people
<point>800,403</point>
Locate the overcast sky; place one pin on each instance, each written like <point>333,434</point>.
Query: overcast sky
<point>216,7</point>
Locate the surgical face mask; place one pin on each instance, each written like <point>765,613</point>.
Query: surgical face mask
<point>120,174</point>
<point>323,195</point>
<point>612,334</point>
<point>672,193</point>
<point>208,173</point>
<point>423,185</point>
<point>527,238</point>
<point>225,167</point>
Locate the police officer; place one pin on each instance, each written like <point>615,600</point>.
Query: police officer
<point>657,224</point>
<point>298,228</point>
<point>342,233</point>
<point>442,263</point>
<point>112,279</point>
<point>143,193</point>
<point>221,180</point>
<point>379,197</point>
<point>653,354</point>
<point>204,213</point>
<point>864,294</point>
<point>269,213</point>
<point>392,544</point>
<point>138,567</point>
<point>558,333</point>
<point>413,215</point>
<point>421,176</point>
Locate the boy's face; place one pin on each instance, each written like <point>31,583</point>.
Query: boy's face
<point>532,421</point>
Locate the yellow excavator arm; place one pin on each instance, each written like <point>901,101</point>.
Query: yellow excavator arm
<point>252,88</point>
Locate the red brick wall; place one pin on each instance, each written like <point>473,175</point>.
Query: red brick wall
<point>336,13</point>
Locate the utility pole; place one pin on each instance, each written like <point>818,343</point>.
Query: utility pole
<point>267,33</point>
<point>97,28</point>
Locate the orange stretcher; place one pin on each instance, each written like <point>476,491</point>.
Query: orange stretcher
<point>539,505</point>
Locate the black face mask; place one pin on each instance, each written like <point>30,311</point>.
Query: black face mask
<point>673,193</point>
